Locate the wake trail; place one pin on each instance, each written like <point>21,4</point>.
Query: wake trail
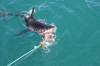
<point>26,54</point>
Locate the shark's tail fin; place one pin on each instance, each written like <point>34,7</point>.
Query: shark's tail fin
<point>6,13</point>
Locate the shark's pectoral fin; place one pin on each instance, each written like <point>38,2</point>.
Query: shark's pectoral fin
<point>22,32</point>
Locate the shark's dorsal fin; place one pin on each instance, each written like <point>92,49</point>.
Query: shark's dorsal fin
<point>31,12</point>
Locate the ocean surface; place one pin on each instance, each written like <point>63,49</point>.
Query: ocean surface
<point>77,36</point>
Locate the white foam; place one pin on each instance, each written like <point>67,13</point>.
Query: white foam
<point>30,12</point>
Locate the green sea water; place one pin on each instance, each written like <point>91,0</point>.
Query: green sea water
<point>77,36</point>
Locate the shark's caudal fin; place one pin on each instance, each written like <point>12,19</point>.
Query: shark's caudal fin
<point>6,13</point>
<point>22,32</point>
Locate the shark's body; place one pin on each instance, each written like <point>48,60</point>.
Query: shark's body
<point>36,25</point>
<point>45,30</point>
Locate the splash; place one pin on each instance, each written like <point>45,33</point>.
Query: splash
<point>24,55</point>
<point>46,47</point>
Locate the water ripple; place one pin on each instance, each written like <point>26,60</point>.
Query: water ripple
<point>92,3</point>
<point>11,2</point>
<point>69,10</point>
